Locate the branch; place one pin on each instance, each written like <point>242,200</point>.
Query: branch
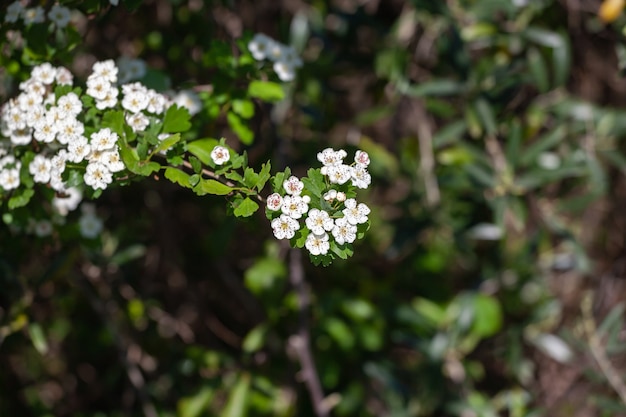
<point>300,342</point>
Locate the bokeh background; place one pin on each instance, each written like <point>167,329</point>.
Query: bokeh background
<point>492,279</point>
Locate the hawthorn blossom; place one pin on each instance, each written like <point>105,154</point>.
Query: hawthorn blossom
<point>274,202</point>
<point>344,231</point>
<point>97,176</point>
<point>355,214</point>
<point>338,174</point>
<point>10,178</point>
<point>294,206</point>
<point>59,15</point>
<point>319,222</point>
<point>317,244</point>
<point>14,11</point>
<point>284,227</point>
<point>33,15</point>
<point>360,177</point>
<point>220,155</point>
<point>189,100</point>
<point>293,185</point>
<point>90,225</point>
<point>40,168</point>
<point>103,139</point>
<point>260,45</point>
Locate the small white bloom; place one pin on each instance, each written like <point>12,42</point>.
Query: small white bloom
<point>14,12</point>
<point>112,160</point>
<point>362,158</point>
<point>284,227</point>
<point>67,201</point>
<point>341,196</point>
<point>70,104</point>
<point>10,178</point>
<point>33,15</point>
<point>103,139</point>
<point>97,175</point>
<point>338,174</point>
<point>59,15</point>
<point>355,214</point>
<point>189,100</point>
<point>105,69</point>
<point>319,222</point>
<point>44,73</point>
<point>294,206</point>
<point>45,130</point>
<point>220,155</point>
<point>135,101</point>
<point>293,185</point>
<point>58,161</point>
<point>78,149</point>
<point>130,69</point>
<point>69,129</point>
<point>40,168</point>
<point>109,101</point>
<point>344,231</point>
<point>274,202</point>
<point>21,136</point>
<point>156,102</point>
<point>330,195</point>
<point>360,177</point>
<point>285,71</point>
<point>98,87</point>
<point>64,76</point>
<point>317,244</point>
<point>330,157</point>
<point>260,45</point>
<point>549,160</point>
<point>138,121</point>
<point>42,228</point>
<point>90,226</point>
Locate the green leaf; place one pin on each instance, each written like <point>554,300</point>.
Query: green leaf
<point>314,182</point>
<point>250,178</point>
<point>212,187</point>
<point>279,179</point>
<point>38,338</point>
<point>538,69</point>
<point>237,404</point>
<point>263,274</point>
<point>195,164</point>
<point>266,90</point>
<point>543,143</point>
<point>176,120</point>
<point>241,130</point>
<point>254,339</point>
<point>244,108</point>
<point>247,208</point>
<point>114,120</point>
<point>429,310</point>
<point>202,148</point>
<point>486,115</point>
<point>487,316</point>
<point>168,142</point>
<point>435,88</point>
<point>196,405</point>
<point>264,175</point>
<point>146,168</point>
<point>20,198</point>
<point>177,176</point>
<point>340,332</point>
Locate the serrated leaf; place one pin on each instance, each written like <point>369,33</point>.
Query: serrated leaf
<point>176,119</point>
<point>244,108</point>
<point>250,178</point>
<point>202,148</point>
<point>196,165</point>
<point>246,208</point>
<point>314,182</point>
<point>264,175</point>
<point>212,187</point>
<point>279,179</point>
<point>114,120</point>
<point>177,176</point>
<point>146,168</point>
<point>266,90</point>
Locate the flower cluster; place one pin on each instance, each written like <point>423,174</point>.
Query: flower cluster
<point>59,16</point>
<point>333,218</point>
<point>284,58</point>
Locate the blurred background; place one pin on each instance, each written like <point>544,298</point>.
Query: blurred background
<point>492,279</point>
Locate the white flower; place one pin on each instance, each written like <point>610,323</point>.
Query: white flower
<point>45,130</point>
<point>105,69</point>
<point>40,168</point>
<point>98,87</point>
<point>69,129</point>
<point>114,2</point>
<point>67,201</point>
<point>274,202</point>
<point>362,158</point>
<point>10,178</point>
<point>112,160</point>
<point>21,136</point>
<point>360,177</point>
<point>64,76</point>
<point>78,149</point>
<point>130,69</point>
<point>90,226</point>
<point>344,232</point>
<point>319,222</point>
<point>337,174</point>
<point>109,101</point>
<point>330,195</point>
<point>156,102</point>
<point>42,228</point>
<point>276,51</point>
<point>355,214</point>
<point>341,196</point>
<point>294,206</point>
<point>284,70</point>
<point>44,73</point>
<point>70,104</point>
<point>285,227</point>
<point>28,101</point>
<point>293,185</point>
<point>317,244</point>
<point>33,15</point>
<point>13,12</point>
<point>135,101</point>
<point>220,155</point>
<point>97,175</point>
<point>103,139</point>
<point>59,15</point>
<point>138,121</point>
<point>58,161</point>
<point>330,157</point>
<point>189,100</point>
<point>260,45</point>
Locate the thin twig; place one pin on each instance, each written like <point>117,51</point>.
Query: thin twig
<point>427,157</point>
<point>300,341</point>
<point>598,351</point>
